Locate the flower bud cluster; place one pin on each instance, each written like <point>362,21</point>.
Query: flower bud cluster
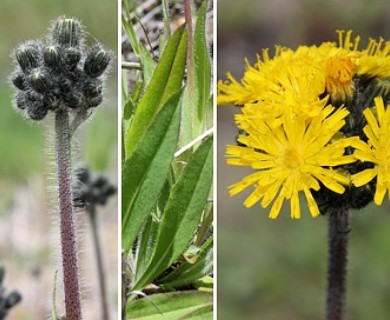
<point>7,301</point>
<point>59,73</point>
<point>91,189</point>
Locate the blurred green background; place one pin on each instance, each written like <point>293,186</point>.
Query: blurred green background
<point>28,244</point>
<point>276,270</point>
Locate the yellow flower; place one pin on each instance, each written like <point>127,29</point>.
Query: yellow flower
<point>292,110</point>
<point>291,82</point>
<point>329,66</point>
<point>375,150</point>
<point>291,158</point>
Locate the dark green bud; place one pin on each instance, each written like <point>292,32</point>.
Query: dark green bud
<point>93,87</point>
<point>19,80</point>
<point>27,56</point>
<point>51,101</point>
<point>72,57</point>
<point>95,101</point>
<point>97,61</point>
<point>66,85</point>
<point>39,80</point>
<point>51,56</point>
<point>73,99</point>
<point>67,32</point>
<point>36,110</point>
<point>20,100</point>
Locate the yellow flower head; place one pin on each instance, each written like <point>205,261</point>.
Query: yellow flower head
<point>297,109</point>
<point>291,158</point>
<point>375,150</point>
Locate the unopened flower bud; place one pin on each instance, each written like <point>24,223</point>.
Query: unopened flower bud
<point>13,298</point>
<point>52,57</point>
<point>19,81</point>
<point>66,32</point>
<point>36,110</point>
<point>65,85</point>
<point>72,57</point>
<point>93,87</point>
<point>27,56</point>
<point>95,101</point>
<point>73,99</point>
<point>51,101</point>
<point>97,61</point>
<point>39,80</point>
<point>20,100</point>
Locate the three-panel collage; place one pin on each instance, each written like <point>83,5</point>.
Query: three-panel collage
<point>194,160</point>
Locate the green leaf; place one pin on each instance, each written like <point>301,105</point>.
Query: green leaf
<point>196,100</point>
<point>187,273</point>
<point>143,54</point>
<point>183,212</point>
<point>145,246</point>
<point>144,173</point>
<point>202,63</point>
<point>131,34</point>
<point>149,65</point>
<point>173,306</point>
<point>167,79</point>
<point>205,284</point>
<point>202,313</point>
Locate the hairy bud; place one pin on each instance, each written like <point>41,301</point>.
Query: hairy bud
<point>51,56</point>
<point>19,81</point>
<point>27,55</point>
<point>67,32</point>
<point>97,61</point>
<point>73,99</point>
<point>58,72</point>
<point>72,57</point>
<point>39,80</point>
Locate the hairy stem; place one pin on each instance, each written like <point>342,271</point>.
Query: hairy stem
<point>337,265</point>
<point>68,234</point>
<point>99,262</point>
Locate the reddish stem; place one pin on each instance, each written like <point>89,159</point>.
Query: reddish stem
<point>68,234</point>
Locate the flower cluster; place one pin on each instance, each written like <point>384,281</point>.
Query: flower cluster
<point>60,73</point>
<point>314,121</point>
<point>91,189</point>
<point>7,301</point>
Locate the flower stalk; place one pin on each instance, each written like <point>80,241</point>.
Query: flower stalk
<point>68,233</point>
<point>90,190</point>
<point>99,262</point>
<point>63,76</point>
<point>337,265</point>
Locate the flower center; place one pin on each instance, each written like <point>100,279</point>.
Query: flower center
<point>338,78</point>
<point>292,158</point>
